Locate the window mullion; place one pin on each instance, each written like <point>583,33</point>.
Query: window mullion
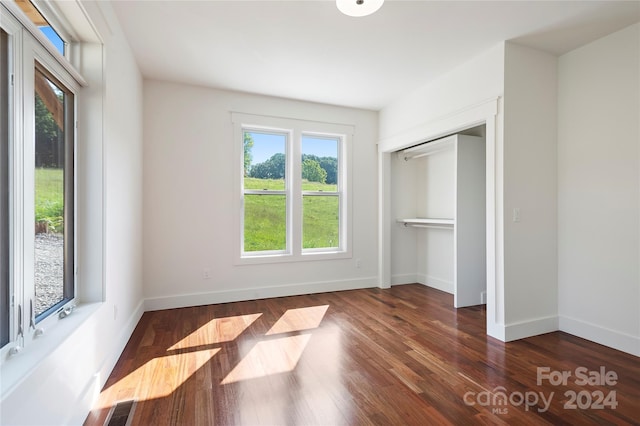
<point>264,192</point>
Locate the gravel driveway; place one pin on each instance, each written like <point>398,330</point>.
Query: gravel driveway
<point>49,270</point>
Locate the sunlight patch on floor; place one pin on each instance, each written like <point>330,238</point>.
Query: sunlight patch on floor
<point>299,319</point>
<point>167,373</point>
<point>218,330</point>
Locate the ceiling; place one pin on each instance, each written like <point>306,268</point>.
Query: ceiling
<point>308,50</point>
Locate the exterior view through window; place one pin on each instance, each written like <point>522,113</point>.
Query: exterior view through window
<point>321,199</point>
<point>265,191</point>
<point>53,194</point>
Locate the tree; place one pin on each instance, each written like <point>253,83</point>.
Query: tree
<point>312,171</point>
<point>248,144</point>
<point>329,164</point>
<point>273,168</point>
<point>47,136</point>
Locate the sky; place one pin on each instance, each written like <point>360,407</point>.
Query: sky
<point>54,38</point>
<point>267,144</point>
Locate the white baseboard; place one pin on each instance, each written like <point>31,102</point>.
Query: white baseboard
<point>437,283</point>
<point>520,330</point>
<point>226,296</point>
<point>604,336</point>
<point>402,279</point>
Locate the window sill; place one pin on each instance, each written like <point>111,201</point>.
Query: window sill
<point>17,368</point>
<point>289,258</point>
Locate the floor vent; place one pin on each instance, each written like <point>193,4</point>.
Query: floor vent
<point>121,414</point>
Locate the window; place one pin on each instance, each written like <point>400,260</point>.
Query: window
<point>294,192</point>
<point>37,183</point>
<point>43,24</point>
<point>53,194</point>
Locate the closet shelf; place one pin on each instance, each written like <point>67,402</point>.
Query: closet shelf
<point>419,222</point>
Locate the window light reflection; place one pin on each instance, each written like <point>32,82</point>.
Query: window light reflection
<point>269,357</point>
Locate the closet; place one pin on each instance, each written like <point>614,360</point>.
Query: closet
<point>438,201</point>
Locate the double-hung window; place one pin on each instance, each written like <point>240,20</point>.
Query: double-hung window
<point>294,189</point>
<point>38,91</point>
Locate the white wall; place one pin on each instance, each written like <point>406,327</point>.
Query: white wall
<point>436,183</point>
<point>123,179</point>
<point>60,386</point>
<point>529,165</point>
<point>403,200</point>
<point>476,81</point>
<point>190,201</point>
<point>598,190</point>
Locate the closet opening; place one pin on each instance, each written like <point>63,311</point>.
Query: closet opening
<point>437,194</point>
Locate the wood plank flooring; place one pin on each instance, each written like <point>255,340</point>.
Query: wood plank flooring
<point>388,357</point>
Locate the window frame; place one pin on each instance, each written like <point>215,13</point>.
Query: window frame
<point>28,50</point>
<point>57,21</point>
<point>5,190</point>
<point>297,128</point>
<point>61,26</point>
<point>339,192</point>
<point>69,191</point>
<point>36,55</point>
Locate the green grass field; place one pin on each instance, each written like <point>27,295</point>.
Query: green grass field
<point>49,198</point>
<point>265,217</point>
<point>264,214</point>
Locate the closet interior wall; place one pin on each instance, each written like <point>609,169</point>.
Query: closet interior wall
<point>447,184</point>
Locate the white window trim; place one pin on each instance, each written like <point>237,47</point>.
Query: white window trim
<point>297,128</point>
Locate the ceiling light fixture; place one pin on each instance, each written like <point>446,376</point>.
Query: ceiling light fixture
<point>358,8</point>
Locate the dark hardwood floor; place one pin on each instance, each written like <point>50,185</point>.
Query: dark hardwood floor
<point>388,357</point>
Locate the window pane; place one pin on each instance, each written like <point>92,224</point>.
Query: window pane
<point>50,176</point>
<point>320,221</point>
<point>4,190</point>
<point>265,219</point>
<point>319,163</point>
<point>264,160</point>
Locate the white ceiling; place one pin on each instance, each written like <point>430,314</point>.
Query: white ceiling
<point>308,50</point>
